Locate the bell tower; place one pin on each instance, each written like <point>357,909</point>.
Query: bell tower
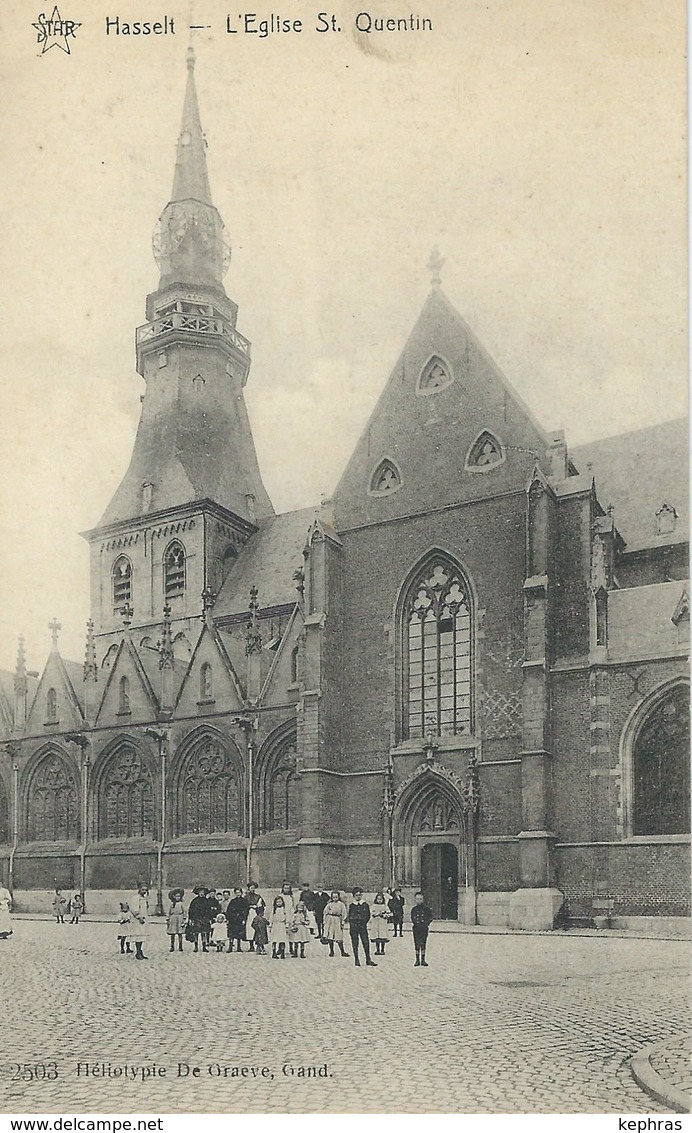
<point>193,492</point>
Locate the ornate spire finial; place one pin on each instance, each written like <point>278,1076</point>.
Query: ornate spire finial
<point>165,644</point>
<point>54,628</point>
<point>253,639</point>
<point>208,601</point>
<point>20,670</point>
<point>190,58</point>
<point>90,667</point>
<point>127,614</point>
<point>435,265</point>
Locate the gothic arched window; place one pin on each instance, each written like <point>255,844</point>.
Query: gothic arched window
<point>661,768</point>
<point>124,697</point>
<point>281,796</point>
<point>206,685</point>
<point>385,479</point>
<point>52,804</point>
<point>127,797</point>
<point>437,653</point>
<point>435,375</point>
<point>485,452</point>
<point>174,570</point>
<point>52,706</point>
<point>122,581</point>
<point>209,798</point>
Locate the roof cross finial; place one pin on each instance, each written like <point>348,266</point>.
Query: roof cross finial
<point>54,628</point>
<point>435,265</point>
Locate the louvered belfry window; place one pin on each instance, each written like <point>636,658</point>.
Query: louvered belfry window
<point>122,581</point>
<point>438,653</point>
<point>174,570</point>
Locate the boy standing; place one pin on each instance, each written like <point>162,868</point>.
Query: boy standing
<point>421,916</point>
<point>358,917</point>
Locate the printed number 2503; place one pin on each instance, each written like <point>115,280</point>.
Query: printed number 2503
<point>34,1072</point>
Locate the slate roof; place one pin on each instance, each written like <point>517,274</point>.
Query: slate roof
<point>268,561</point>
<point>637,473</point>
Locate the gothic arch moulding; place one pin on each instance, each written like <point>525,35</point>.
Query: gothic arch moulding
<point>484,453</point>
<point>386,478</point>
<point>277,786</point>
<point>435,618</point>
<point>50,797</point>
<point>654,763</point>
<point>209,785</point>
<point>124,792</point>
<point>429,806</point>
<point>435,376</point>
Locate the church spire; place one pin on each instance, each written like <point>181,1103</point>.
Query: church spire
<point>191,181</point>
<point>190,242</point>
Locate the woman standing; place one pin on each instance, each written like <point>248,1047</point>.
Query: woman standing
<point>333,923</point>
<point>5,906</point>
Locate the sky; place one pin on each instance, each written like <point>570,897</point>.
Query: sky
<point>540,146</point>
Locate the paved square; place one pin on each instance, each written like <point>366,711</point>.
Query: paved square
<point>496,1024</point>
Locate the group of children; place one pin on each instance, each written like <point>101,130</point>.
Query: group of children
<point>291,922</point>
<point>67,906</point>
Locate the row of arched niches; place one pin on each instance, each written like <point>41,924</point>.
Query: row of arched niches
<point>206,790</point>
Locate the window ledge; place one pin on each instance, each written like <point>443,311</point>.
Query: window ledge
<point>126,712</point>
<point>656,839</point>
<point>204,703</point>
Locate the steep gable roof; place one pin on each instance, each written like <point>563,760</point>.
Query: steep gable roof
<point>143,702</point>
<point>226,692</point>
<point>267,561</point>
<point>55,675</point>
<point>638,473</point>
<point>444,395</point>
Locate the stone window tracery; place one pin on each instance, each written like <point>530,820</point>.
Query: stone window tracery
<point>53,814</point>
<point>435,375</point>
<point>385,479</point>
<point>209,791</point>
<point>485,452</point>
<point>661,768</point>
<point>122,581</point>
<point>281,804</point>
<point>127,809</point>
<point>438,644</point>
<point>174,570</point>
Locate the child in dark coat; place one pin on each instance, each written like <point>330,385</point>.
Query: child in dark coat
<point>260,931</point>
<point>421,916</point>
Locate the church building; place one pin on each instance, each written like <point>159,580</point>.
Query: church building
<point>467,671</point>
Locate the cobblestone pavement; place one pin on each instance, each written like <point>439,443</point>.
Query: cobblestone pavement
<point>673,1063</point>
<point>496,1024</point>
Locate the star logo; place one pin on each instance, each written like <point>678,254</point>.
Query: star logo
<point>54,31</point>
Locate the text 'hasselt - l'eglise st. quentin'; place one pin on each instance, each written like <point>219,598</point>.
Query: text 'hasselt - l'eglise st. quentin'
<point>263,26</point>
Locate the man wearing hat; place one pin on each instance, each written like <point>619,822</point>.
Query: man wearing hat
<point>199,918</point>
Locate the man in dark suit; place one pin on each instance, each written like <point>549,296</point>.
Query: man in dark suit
<point>358,917</point>
<point>320,903</point>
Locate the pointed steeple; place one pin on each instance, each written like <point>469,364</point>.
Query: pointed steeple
<point>191,181</point>
<point>21,687</point>
<point>190,243</point>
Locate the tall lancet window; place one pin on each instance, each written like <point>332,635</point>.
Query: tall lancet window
<point>122,581</point>
<point>438,647</point>
<point>174,570</point>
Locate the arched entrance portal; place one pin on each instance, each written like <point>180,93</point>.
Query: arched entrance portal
<point>439,878</point>
<point>429,838</point>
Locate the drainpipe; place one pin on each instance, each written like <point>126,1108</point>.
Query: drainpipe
<point>250,803</point>
<point>15,823</point>
<point>162,741</point>
<point>86,763</point>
